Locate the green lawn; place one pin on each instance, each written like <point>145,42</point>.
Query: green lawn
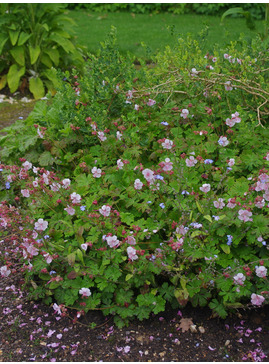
<point>132,29</point>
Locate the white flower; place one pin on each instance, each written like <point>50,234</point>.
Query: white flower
<point>239,278</point>
<point>167,144</point>
<point>5,272</point>
<point>132,253</point>
<point>66,183</point>
<point>120,164</point>
<point>27,165</point>
<point>96,172</point>
<point>261,271</point>
<point>112,241</point>
<point>105,210</point>
<point>138,184</point>
<point>184,113</point>
<point>41,225</point>
<point>85,292</point>
<point>75,198</point>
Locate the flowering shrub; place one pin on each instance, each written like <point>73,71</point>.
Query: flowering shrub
<point>140,187</point>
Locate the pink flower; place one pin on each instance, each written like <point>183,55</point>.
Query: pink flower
<point>96,172</point>
<point>57,308</point>
<point>184,113</point>
<point>25,193</point>
<point>148,174</point>
<point>190,162</point>
<point>244,215</point>
<point>84,246</point>
<point>166,165</point>
<point>138,184</point>
<point>27,165</point>
<point>132,253</point>
<point>5,272</point>
<point>136,107</point>
<point>85,292</point>
<point>236,117</point>
<point>119,135</point>
<point>47,257</point>
<point>75,198</point>
<point>131,240</point>
<point>70,210</point>
<point>54,186</point>
<point>120,164</point>
<point>267,156</point>
<point>261,271</point>
<point>40,133</point>
<point>228,86</point>
<point>112,241</point>
<point>105,210</point>
<point>167,144</point>
<point>214,59</point>
<point>239,279</point>
<point>223,141</point>
<point>231,162</point>
<point>230,204</point>
<point>219,204</point>
<point>151,102</point>
<point>205,188</point>
<point>66,183</point>
<point>194,73</point>
<point>256,299</point>
<point>41,225</point>
<point>230,122</point>
<point>101,136</point>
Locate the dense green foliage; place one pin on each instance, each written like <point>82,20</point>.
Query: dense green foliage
<point>138,187</point>
<point>34,38</point>
<point>257,10</point>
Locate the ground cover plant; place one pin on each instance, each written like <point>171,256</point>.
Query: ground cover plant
<point>139,188</point>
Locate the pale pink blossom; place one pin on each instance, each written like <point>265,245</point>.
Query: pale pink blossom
<point>136,107</point>
<point>256,299</point>
<point>230,122</point>
<point>239,278</point>
<point>151,102</point>
<point>267,156</point>
<point>84,246</point>
<point>96,172</point>
<point>75,198</point>
<point>66,183</point>
<point>260,186</point>
<point>120,164</point>
<point>105,210</point>
<point>47,257</point>
<point>35,182</point>
<point>101,136</point>
<point>236,117</point>
<point>226,56</point>
<point>190,162</point>
<point>5,272</point>
<point>45,177</point>
<point>228,86</point>
<point>148,174</point>
<point>85,292</point>
<point>132,253</point>
<point>223,141</point>
<point>167,144</point>
<point>55,186</point>
<point>245,215</point>
<point>261,271</point>
<point>32,250</point>
<point>259,202</point>
<point>205,187</point>
<point>57,309</point>
<point>27,165</point>
<point>219,204</point>
<point>40,133</point>
<point>266,195</point>
<point>112,241</point>
<point>231,162</point>
<point>131,240</point>
<point>194,72</point>
<point>167,165</point>
<point>264,178</point>
<point>230,204</point>
<point>184,113</point>
<point>41,225</point>
<point>214,59</point>
<point>70,210</point>
<point>182,230</point>
<point>119,135</point>
<point>25,193</point>
<point>138,184</point>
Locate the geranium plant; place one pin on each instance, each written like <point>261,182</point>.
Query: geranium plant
<point>136,188</point>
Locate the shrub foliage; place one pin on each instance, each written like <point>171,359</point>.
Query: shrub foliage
<point>137,187</point>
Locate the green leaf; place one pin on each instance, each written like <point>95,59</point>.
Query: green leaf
<point>36,87</point>
<point>226,248</point>
<point>199,207</point>
<point>63,42</point>
<point>23,38</point>
<point>3,41</point>
<point>231,11</point>
<point>13,35</point>
<point>13,77</point>
<point>45,59</point>
<point>71,258</point>
<point>3,81</point>
<point>45,159</point>
<point>34,53</point>
<point>208,217</point>
<point>18,55</point>
<point>54,55</point>
<point>128,276</point>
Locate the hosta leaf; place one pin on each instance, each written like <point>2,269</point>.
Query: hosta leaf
<point>13,77</point>
<point>3,81</point>
<point>54,55</point>
<point>45,59</point>
<point>3,40</point>
<point>18,55</point>
<point>63,42</point>
<point>36,87</point>
<point>23,38</point>
<point>34,53</point>
<point>13,35</point>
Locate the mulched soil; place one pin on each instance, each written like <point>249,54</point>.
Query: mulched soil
<point>32,331</point>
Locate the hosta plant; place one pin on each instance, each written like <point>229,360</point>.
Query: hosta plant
<point>138,188</point>
<point>34,39</point>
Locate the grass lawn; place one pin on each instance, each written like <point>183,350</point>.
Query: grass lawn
<point>132,29</point>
